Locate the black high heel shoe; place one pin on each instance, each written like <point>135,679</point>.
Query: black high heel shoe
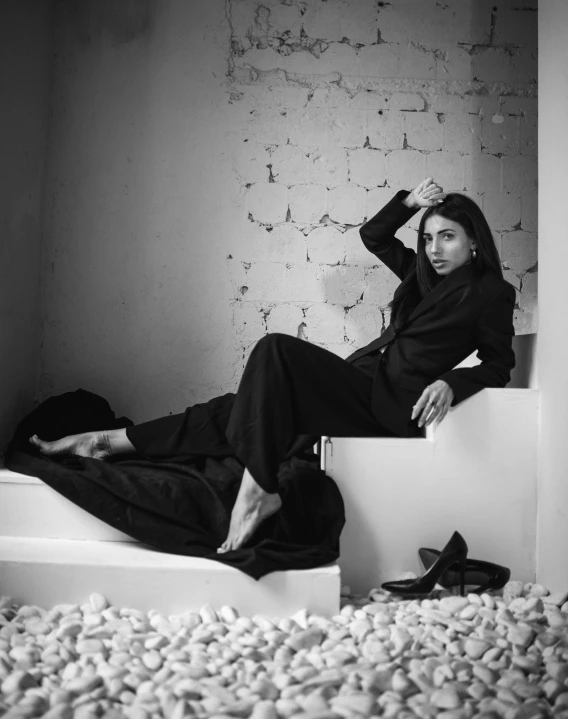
<point>477,572</point>
<point>454,552</point>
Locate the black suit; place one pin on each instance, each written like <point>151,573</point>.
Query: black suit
<point>290,387</point>
<point>440,333</point>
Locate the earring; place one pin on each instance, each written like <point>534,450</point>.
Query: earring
<point>473,254</point>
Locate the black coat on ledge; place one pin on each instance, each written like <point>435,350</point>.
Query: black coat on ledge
<point>182,506</point>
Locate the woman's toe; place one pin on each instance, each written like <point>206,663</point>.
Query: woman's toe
<point>35,440</point>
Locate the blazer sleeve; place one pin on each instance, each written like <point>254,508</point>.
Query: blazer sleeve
<point>494,335</point>
<point>378,236</point>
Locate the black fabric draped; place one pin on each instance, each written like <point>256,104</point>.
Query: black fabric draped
<point>182,505</point>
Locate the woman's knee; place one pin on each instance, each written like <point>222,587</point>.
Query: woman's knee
<point>276,340</point>
<point>275,346</point>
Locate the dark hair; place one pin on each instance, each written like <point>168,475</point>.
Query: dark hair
<point>423,278</point>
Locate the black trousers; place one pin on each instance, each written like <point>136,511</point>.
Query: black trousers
<point>289,388</point>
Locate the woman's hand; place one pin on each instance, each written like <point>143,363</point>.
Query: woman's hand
<point>433,403</point>
<point>427,194</point>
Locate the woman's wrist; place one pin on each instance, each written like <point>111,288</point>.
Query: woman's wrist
<point>410,202</point>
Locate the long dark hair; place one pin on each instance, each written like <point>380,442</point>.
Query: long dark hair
<point>423,278</point>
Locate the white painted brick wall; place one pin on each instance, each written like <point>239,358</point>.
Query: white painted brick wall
<point>362,324</point>
<point>325,322</point>
<point>500,135</point>
<point>385,129</point>
<point>281,243</point>
<point>502,210</point>
<point>519,250</point>
<point>347,204</point>
<point>379,285</point>
<point>367,168</point>
<point>328,166</point>
<point>326,245</point>
<point>285,318</point>
<point>267,202</point>
<point>308,203</point>
<point>343,284</point>
<point>423,131</point>
<point>461,133</point>
<point>290,165</point>
<point>335,109</point>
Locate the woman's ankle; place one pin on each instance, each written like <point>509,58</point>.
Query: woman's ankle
<point>117,441</point>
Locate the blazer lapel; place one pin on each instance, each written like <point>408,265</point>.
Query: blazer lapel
<point>457,279</point>
<point>387,336</point>
<point>454,281</point>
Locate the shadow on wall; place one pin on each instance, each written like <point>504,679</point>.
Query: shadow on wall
<point>523,375</point>
<point>121,22</point>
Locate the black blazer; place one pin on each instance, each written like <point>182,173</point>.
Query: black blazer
<point>441,331</point>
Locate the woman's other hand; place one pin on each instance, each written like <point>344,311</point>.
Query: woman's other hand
<point>426,194</point>
<point>433,403</point>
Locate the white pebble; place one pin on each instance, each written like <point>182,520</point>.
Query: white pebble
<point>90,646</point>
<point>359,702</point>
<point>512,590</point>
<point>453,604</point>
<point>537,590</point>
<point>263,623</point>
<point>83,685</point>
<point>72,629</point>
<point>476,648</point>
<point>59,711</point>
<point>445,698</point>
<point>98,602</point>
<point>520,635</point>
<point>152,660</point>
<point>18,681</point>
<point>227,614</point>
<point>305,639</point>
<point>208,614</point>
<point>556,598</point>
<point>301,618</point>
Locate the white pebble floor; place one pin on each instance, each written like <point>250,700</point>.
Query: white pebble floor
<point>447,656</point>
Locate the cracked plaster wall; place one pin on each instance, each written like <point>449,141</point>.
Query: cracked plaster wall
<point>211,162</point>
<point>341,104</point>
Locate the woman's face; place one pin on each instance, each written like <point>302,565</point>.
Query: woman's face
<point>447,244</point>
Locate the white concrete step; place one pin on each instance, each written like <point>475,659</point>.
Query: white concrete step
<point>476,473</point>
<point>52,551</point>
<point>46,572</point>
<point>30,508</point>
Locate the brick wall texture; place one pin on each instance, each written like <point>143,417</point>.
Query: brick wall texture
<point>336,105</point>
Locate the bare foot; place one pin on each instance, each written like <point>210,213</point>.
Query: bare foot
<point>89,444</point>
<point>252,507</point>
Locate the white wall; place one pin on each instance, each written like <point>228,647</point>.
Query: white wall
<point>552,343</point>
<point>141,206</point>
<point>25,55</point>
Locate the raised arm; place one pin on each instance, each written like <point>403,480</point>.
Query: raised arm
<point>378,234</point>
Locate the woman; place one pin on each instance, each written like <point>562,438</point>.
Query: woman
<point>452,300</point>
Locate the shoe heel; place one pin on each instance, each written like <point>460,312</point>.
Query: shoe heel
<point>462,575</point>
<point>455,552</point>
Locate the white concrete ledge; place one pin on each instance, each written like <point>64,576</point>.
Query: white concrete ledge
<point>476,473</point>
<point>46,572</point>
<point>30,508</point>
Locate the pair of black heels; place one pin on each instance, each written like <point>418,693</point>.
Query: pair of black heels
<point>450,568</point>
